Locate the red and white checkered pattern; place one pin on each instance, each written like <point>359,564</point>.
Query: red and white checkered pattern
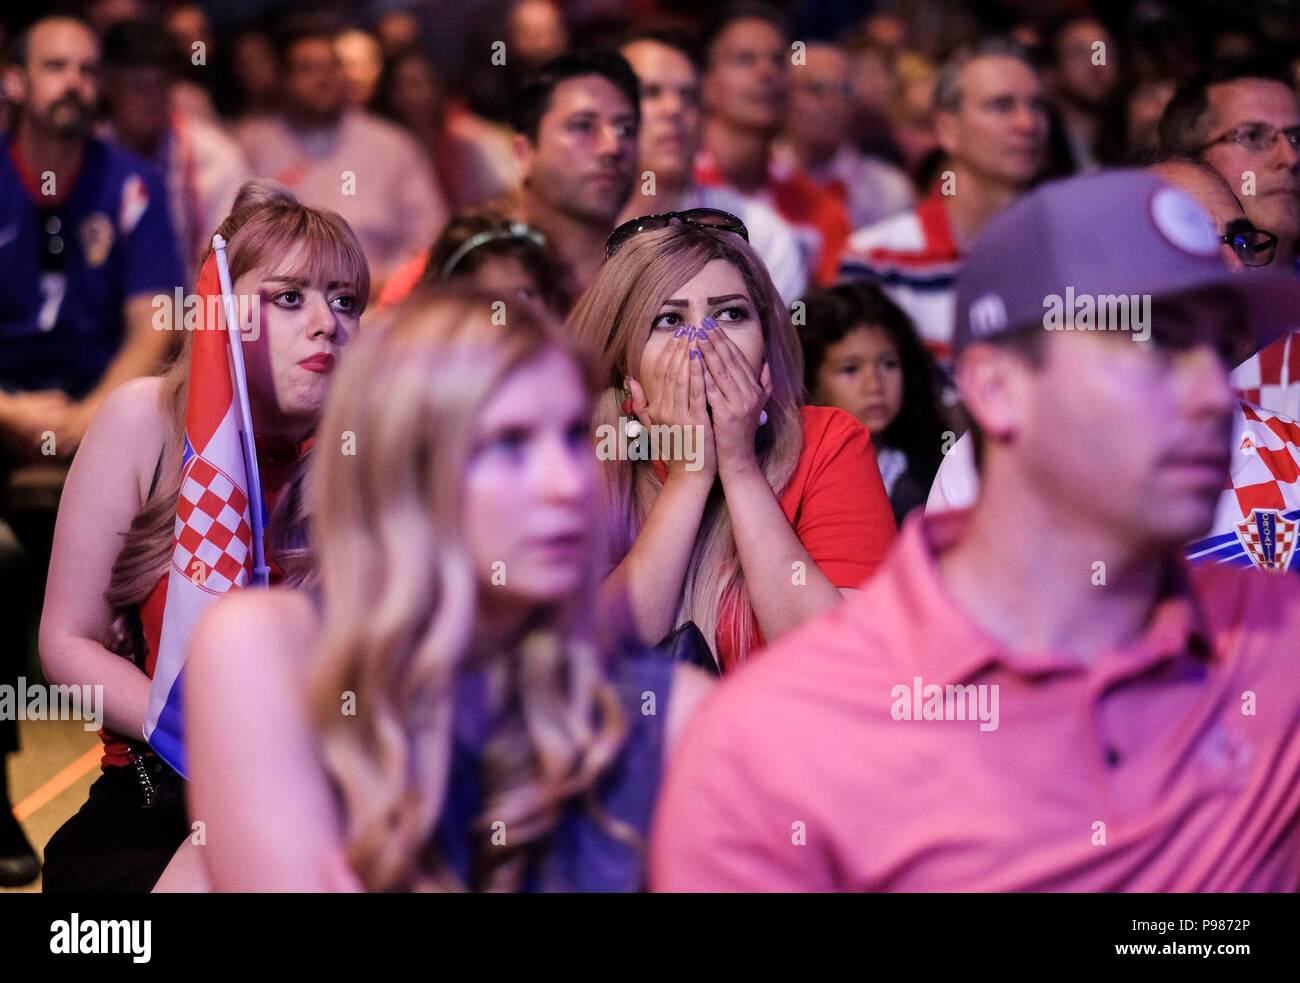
<point>1271,377</point>
<point>1265,466</point>
<point>213,533</point>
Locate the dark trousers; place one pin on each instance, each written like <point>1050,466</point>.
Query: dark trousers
<point>23,566</point>
<point>114,844</point>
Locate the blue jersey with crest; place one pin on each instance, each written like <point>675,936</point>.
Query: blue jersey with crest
<point>70,257</point>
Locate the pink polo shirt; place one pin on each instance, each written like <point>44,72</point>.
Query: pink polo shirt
<point>1138,772</point>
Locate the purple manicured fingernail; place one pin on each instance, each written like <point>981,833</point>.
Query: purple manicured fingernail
<point>708,324</point>
<point>680,332</point>
<point>695,353</point>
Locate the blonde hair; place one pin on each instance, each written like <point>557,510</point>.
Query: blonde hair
<point>400,604</point>
<point>613,320</point>
<point>266,222</point>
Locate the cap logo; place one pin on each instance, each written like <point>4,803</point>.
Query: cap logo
<point>1183,222</point>
<point>988,315</point>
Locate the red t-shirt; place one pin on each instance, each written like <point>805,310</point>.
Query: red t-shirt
<point>837,506</point>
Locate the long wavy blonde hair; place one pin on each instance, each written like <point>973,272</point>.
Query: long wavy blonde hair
<point>400,605</point>
<point>613,320</point>
<point>265,223</point>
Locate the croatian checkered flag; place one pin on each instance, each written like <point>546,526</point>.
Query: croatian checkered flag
<point>1258,518</point>
<point>218,546</point>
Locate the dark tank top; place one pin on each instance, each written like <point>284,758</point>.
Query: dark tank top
<point>581,854</point>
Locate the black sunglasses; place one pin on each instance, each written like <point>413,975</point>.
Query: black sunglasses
<point>700,218</point>
<point>1254,247</point>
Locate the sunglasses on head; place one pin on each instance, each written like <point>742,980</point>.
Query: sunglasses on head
<point>700,218</point>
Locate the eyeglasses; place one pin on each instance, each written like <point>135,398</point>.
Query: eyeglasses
<point>1254,247</point>
<point>700,218</point>
<point>1256,136</point>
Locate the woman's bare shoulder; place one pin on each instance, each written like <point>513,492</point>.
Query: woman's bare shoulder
<point>131,425</point>
<point>265,628</point>
<point>135,407</point>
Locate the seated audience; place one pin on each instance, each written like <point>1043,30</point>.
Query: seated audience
<point>335,156</point>
<point>668,145</point>
<point>1012,666</point>
<point>437,714</point>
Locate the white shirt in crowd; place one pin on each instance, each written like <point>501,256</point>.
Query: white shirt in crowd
<point>873,189</point>
<point>771,236</point>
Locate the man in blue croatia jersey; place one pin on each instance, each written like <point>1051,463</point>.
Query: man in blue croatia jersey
<point>85,245</point>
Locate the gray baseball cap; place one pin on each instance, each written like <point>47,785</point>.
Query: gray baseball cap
<point>1119,233</point>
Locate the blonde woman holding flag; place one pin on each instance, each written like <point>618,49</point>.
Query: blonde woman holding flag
<point>146,494</point>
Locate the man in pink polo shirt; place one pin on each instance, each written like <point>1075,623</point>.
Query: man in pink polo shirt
<point>1038,694</point>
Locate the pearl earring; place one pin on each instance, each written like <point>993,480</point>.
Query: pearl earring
<point>631,426</point>
<point>762,418</point>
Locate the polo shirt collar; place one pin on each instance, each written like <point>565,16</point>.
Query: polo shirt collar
<point>948,646</point>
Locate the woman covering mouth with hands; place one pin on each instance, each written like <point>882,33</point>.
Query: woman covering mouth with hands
<point>784,511</point>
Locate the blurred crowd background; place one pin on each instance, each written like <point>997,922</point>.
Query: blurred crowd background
<point>199,87</point>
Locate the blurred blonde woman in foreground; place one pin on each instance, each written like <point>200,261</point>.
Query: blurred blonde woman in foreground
<point>436,715</point>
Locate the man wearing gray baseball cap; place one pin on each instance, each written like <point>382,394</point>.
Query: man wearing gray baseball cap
<point>1038,693</point>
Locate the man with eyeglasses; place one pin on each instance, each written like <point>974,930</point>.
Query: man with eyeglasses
<point>1242,117</point>
<point>1244,246</point>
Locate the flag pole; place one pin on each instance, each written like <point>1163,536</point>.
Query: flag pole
<point>261,572</point>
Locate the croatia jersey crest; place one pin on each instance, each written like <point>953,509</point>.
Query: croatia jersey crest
<point>1269,539</point>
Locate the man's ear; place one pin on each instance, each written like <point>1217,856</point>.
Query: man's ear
<point>13,85</point>
<point>994,386</point>
<point>945,130</point>
<point>524,151</point>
